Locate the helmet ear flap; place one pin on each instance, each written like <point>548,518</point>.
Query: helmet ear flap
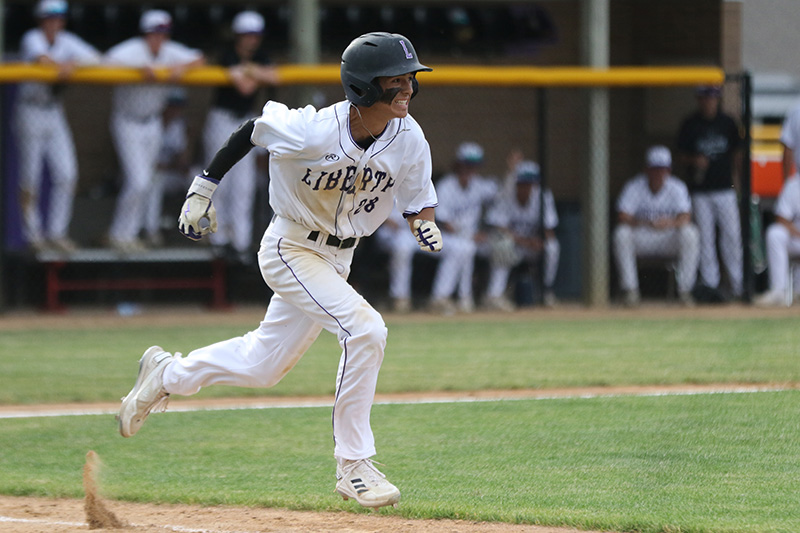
<point>414,86</point>
<point>367,93</point>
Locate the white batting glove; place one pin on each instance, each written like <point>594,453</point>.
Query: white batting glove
<point>428,235</point>
<point>198,208</point>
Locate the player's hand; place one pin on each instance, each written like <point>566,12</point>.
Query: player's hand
<point>428,235</point>
<point>198,216</point>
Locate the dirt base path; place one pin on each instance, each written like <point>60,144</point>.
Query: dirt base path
<point>39,515</point>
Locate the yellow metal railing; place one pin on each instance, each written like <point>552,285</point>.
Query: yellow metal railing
<point>501,76</point>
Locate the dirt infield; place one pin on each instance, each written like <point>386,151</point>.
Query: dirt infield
<point>37,515</point>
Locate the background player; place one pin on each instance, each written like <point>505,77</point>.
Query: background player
<point>42,130</point>
<point>334,176</point>
<point>654,218</point>
<point>250,69</point>
<point>518,216</point>
<point>136,124</point>
<point>709,151</point>
<point>463,195</point>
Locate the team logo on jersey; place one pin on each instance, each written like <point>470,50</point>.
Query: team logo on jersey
<point>331,157</point>
<point>409,55</point>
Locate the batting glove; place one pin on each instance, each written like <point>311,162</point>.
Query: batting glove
<point>428,235</point>
<point>198,216</point>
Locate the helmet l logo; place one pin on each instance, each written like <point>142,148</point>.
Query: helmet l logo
<point>409,55</point>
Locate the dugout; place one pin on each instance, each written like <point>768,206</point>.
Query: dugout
<point>676,33</point>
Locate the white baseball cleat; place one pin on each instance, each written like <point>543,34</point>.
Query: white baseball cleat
<point>366,484</point>
<point>147,394</point>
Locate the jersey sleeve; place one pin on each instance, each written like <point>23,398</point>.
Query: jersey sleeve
<point>550,212</point>
<point>32,46</point>
<point>179,53</point>
<point>281,130</point>
<point>626,203</point>
<point>81,51</point>
<point>791,126</point>
<point>788,197</point>
<point>498,213</point>
<point>683,200</point>
<point>417,191</point>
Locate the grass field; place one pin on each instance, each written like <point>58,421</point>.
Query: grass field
<point>689,463</point>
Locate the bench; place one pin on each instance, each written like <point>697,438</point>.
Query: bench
<point>54,264</point>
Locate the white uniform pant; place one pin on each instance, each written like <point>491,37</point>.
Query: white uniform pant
<point>401,246</point>
<point>137,143</point>
<point>780,246</point>
<point>456,266</point>
<point>311,293</point>
<point>712,210</point>
<point>498,278</point>
<point>235,197</point>
<point>630,243</point>
<point>43,135</point>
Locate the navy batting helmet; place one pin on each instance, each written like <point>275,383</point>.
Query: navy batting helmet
<point>373,55</point>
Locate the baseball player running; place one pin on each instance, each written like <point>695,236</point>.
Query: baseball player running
<point>334,176</point>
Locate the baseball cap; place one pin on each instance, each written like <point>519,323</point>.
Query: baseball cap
<point>155,21</point>
<point>470,152</point>
<point>708,90</point>
<point>528,172</point>
<point>658,156</point>
<point>51,8</point>
<point>248,22</point>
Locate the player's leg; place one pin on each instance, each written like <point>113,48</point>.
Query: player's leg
<point>314,280</point>
<point>452,260</point>
<point>259,358</point>
<point>625,257</point>
<point>61,160</point>
<point>244,195</point>
<point>466,302</point>
<point>730,238</point>
<point>31,131</point>
<point>218,126</point>
<point>402,246</point>
<point>703,209</point>
<point>687,247</point>
<point>135,148</point>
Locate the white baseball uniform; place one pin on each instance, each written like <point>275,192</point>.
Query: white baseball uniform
<point>637,200</point>
<point>780,243</point>
<point>524,220</point>
<point>43,134</point>
<point>137,129</point>
<point>326,192</point>
<point>790,133</point>
<point>462,208</point>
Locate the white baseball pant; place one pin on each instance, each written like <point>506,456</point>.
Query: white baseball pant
<point>311,293</point>
<point>137,143</point>
<point>630,243</point>
<point>44,135</point>
<point>712,210</point>
<point>456,266</point>
<point>235,197</point>
<point>498,277</point>
<point>780,246</point>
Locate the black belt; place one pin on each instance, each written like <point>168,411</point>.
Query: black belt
<point>334,241</point>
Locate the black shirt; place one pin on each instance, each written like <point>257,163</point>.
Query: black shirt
<point>228,97</point>
<point>718,139</point>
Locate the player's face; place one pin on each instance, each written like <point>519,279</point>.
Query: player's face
<point>397,91</point>
<point>656,177</point>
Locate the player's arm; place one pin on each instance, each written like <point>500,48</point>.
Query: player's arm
<point>198,216</point>
<point>424,228</point>
<point>788,162</point>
